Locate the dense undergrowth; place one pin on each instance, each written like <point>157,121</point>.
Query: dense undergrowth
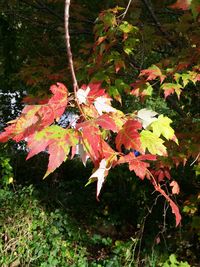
<point>58,222</point>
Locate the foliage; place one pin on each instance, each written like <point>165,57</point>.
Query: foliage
<point>138,105</point>
<point>43,227</point>
<point>173,262</point>
<point>34,236</point>
<point>6,176</point>
<point>102,130</point>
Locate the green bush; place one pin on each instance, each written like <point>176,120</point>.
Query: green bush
<point>32,236</point>
<point>173,262</point>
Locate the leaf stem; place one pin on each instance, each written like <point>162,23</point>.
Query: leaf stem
<point>70,58</point>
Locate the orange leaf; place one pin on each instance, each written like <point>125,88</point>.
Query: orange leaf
<point>175,187</point>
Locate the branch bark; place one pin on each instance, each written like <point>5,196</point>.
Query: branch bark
<point>126,10</point>
<point>69,55</point>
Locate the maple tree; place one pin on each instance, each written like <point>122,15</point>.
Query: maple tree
<point>103,132</point>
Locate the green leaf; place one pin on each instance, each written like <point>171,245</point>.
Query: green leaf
<point>126,27</point>
<point>173,259</point>
<point>153,143</point>
<point>113,92</point>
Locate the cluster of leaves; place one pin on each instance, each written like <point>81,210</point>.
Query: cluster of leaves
<point>173,262</point>
<point>102,132</point>
<point>98,123</point>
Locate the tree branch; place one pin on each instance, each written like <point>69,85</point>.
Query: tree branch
<point>156,21</point>
<point>69,54</point>
<point>126,10</point>
<point>51,11</point>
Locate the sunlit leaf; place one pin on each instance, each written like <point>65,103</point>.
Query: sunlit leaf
<point>152,143</point>
<point>129,136</point>
<point>161,126</point>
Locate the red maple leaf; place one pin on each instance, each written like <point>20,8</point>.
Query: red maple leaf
<point>152,73</point>
<point>106,122</point>
<point>129,136</point>
<point>137,164</point>
<point>59,99</point>
<point>92,141</point>
<point>36,117</point>
<point>181,4</point>
<point>95,91</point>
<point>137,87</point>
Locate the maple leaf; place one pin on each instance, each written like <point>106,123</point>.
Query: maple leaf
<point>153,143</point>
<point>59,100</point>
<point>93,143</point>
<point>94,94</point>
<point>90,111</point>
<point>107,152</point>
<point>82,95</point>
<point>141,88</point>
<point>137,164</point>
<point>100,40</point>
<point>114,93</point>
<point>171,88</point>
<point>181,4</point>
<point>119,119</point>
<point>106,122</point>
<point>152,73</point>
<point>36,117</point>
<point>129,136</point>
<point>94,91</point>
<point>90,139</point>
<point>146,116</point>
<point>162,127</point>
<point>103,104</point>
<point>101,173</point>
<point>57,141</point>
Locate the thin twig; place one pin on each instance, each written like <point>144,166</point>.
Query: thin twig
<point>195,159</point>
<point>143,226</point>
<point>159,26</point>
<point>69,54</point>
<point>126,10</point>
<point>51,11</point>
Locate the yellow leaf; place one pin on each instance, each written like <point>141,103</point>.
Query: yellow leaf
<point>153,143</point>
<point>162,127</point>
